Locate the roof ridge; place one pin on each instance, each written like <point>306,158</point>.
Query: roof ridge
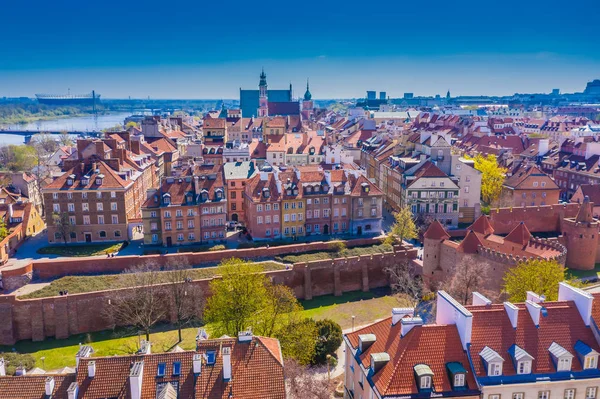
<point>409,337</point>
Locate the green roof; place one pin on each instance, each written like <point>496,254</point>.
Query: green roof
<point>455,368</point>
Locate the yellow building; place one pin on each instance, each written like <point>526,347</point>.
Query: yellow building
<point>293,206</point>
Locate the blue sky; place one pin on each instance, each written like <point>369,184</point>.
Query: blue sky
<point>197,49</point>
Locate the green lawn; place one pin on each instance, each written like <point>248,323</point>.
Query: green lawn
<point>366,306</point>
<point>80,250</point>
<point>574,274</point>
<point>323,255</point>
<point>80,284</point>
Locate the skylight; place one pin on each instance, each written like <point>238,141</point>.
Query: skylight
<point>211,357</point>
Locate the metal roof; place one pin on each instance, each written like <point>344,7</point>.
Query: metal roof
<point>519,353</point>
<point>490,355</point>
<point>558,351</point>
<point>423,369</point>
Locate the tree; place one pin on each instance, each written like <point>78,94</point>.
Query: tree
<point>62,225</point>
<point>297,339</point>
<point>492,177</point>
<point>131,124</point>
<point>187,298</point>
<point>3,229</point>
<point>20,158</point>
<point>403,280</point>
<point>423,221</point>
<point>280,304</point>
<point>329,339</point>
<point>143,304</point>
<point>467,277</point>
<point>303,383</point>
<point>538,275</point>
<point>404,226</point>
<point>65,139</point>
<point>236,297</point>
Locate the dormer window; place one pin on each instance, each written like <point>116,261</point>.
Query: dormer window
<point>166,199</point>
<point>591,362</point>
<point>161,369</point>
<point>308,189</point>
<point>587,355</point>
<point>492,360</point>
<point>266,193</point>
<point>424,376</point>
<point>563,359</point>
<point>219,194</point>
<point>211,357</point>
<point>524,367</point>
<point>459,380</point>
<point>457,374</point>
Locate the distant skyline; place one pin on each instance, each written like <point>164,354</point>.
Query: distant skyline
<point>192,50</point>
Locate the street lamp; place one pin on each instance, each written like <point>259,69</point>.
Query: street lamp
<point>328,357</point>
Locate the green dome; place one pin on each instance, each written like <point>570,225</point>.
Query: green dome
<point>307,95</point>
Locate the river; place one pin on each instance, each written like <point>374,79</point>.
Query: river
<point>77,124</point>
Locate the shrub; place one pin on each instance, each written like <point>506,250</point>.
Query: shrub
<point>219,247</point>
<point>14,360</point>
<point>328,341</point>
<point>337,246</point>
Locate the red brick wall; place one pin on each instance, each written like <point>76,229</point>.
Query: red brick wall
<point>60,317</point>
<point>54,268</point>
<point>537,218</point>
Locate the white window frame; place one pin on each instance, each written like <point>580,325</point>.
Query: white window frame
<point>425,382</point>
<point>459,380</point>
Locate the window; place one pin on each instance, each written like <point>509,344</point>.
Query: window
<point>99,207</point>
<point>86,219</point>
<point>590,362</point>
<point>268,232</point>
<point>286,217</point>
<point>259,219</point>
<point>153,214</point>
<point>259,208</point>
<point>55,196</point>
<point>176,368</point>
<point>191,237</point>
<point>178,213</point>
<point>117,233</point>
<point>85,207</point>
<point>179,225</point>
<point>56,208</point>
<point>113,194</point>
<point>267,207</point>
<point>71,207</point>
<point>153,226</point>
<point>495,369</point>
<point>180,237</point>
<point>286,206</point>
<point>564,364</point>
<point>524,367</point>
<point>426,382</point>
<point>98,194</point>
<point>100,219</point>
<point>518,395</point>
<point>494,396</point>
<point>69,195</point>
<point>544,395</point>
<point>569,394</point>
<point>590,392</point>
<point>190,224</point>
<point>72,220</point>
<point>115,219</point>
<point>267,219</point>
<point>168,226</point>
<point>102,234</point>
<point>374,212</point>
<point>466,189</point>
<point>459,380</point>
<point>160,372</point>
<point>84,195</point>
<point>154,237</point>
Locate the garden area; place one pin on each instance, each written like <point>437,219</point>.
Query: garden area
<point>82,284</point>
<point>337,250</point>
<point>73,250</point>
<point>53,354</point>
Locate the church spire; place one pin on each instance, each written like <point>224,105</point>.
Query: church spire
<point>307,95</point>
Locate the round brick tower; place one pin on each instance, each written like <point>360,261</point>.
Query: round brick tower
<point>580,235</point>
<point>432,244</point>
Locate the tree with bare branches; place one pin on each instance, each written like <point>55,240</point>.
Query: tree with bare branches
<point>304,383</point>
<point>63,225</point>
<point>144,304</point>
<point>186,297</point>
<point>467,277</point>
<point>403,279</point>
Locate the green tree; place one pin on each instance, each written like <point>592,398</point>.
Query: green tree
<point>297,340</point>
<point>3,229</point>
<point>329,339</point>
<point>404,227</point>
<point>63,225</point>
<point>130,125</point>
<point>236,298</point>
<point>22,158</point>
<point>538,275</point>
<point>492,177</point>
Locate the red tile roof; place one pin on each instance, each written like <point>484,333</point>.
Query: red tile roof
<point>436,231</point>
<point>519,235</point>
<point>482,225</point>
<point>434,345</point>
<point>34,386</point>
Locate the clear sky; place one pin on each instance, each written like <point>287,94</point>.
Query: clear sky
<point>202,49</point>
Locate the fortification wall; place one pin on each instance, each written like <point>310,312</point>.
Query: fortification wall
<point>63,316</point>
<point>15,277</point>
<point>546,218</point>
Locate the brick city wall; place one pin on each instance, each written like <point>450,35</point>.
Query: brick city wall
<point>13,278</point>
<point>63,316</point>
<point>546,218</point>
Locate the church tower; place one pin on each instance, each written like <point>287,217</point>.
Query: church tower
<point>307,103</point>
<point>263,101</point>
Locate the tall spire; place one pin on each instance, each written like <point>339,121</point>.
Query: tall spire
<point>307,95</point>
<point>263,78</point>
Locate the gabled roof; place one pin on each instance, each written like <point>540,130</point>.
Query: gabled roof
<point>490,355</point>
<point>482,225</point>
<point>436,231</point>
<point>558,351</point>
<point>519,235</point>
<point>470,244</point>
<point>519,353</point>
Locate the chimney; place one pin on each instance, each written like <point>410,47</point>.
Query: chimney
<point>449,311</point>
<point>534,311</point>
<point>82,167</point>
<point>399,313</point>
<point>144,348</point>
<point>408,323</point>
<point>245,336</point>
<point>226,352</point>
<point>91,369</point>
<point>535,298</point>
<point>197,363</point>
<point>135,380</point>
<point>582,300</point>
<point>512,312</point>
<point>20,371</point>
<point>84,351</point>
<point>49,386</point>
<point>73,391</point>
<point>480,300</point>
<point>2,367</point>
<point>10,212</point>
